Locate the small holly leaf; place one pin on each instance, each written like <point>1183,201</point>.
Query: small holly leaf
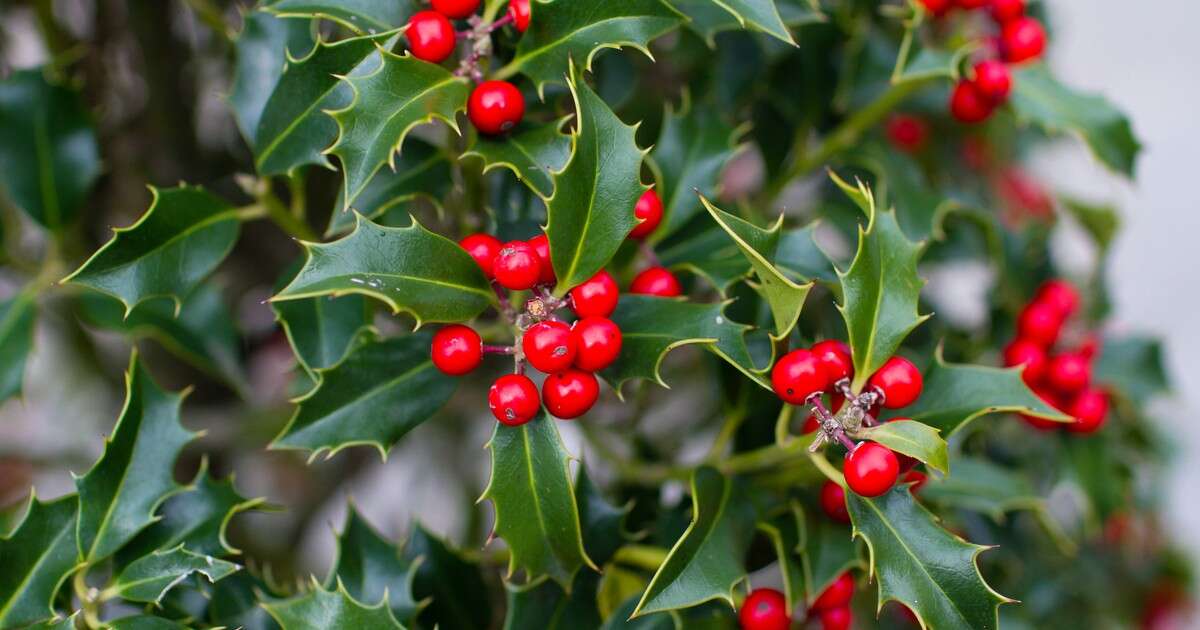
<point>294,129</point>
<point>534,154</point>
<point>591,211</point>
<point>917,440</point>
<point>261,52</point>
<point>563,32</point>
<point>37,557</point>
<point>400,94</point>
<point>320,330</point>
<point>234,603</point>
<point>981,486</point>
<point>49,158</point>
<point>1100,221</point>
<point>531,491</point>
<point>408,268</point>
<point>375,395</point>
<point>900,181</point>
<point>1039,98</point>
<point>363,16</point>
<point>369,567</point>
<point>693,148</point>
<point>422,170</point>
<point>143,622</point>
<point>184,235</point>
<point>460,598</point>
<point>829,551</point>
<point>148,578</point>
<point>955,394</point>
<point>707,560</point>
<point>16,341</point>
<point>758,245</point>
<point>1133,365</point>
<point>921,565</point>
<point>787,534</point>
<point>603,523</point>
<point>320,609</point>
<point>709,17</point>
<point>120,495</point>
<point>544,605</point>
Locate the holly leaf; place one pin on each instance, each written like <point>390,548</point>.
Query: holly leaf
<point>49,158</point>
<point>981,486</point>
<point>693,148</point>
<point>620,619</point>
<point>917,440</point>
<point>603,523</point>
<point>148,578</point>
<point>359,15</point>
<point>184,235</point>
<point>709,17</point>
<point>544,605</point>
<point>829,551</point>
<point>16,341</point>
<point>370,568</point>
<point>379,392</point>
<point>400,94</point>
<point>422,170</point>
<point>1133,365</point>
<point>705,249</point>
<point>408,268</point>
<point>119,496</point>
<point>565,32</point>
<point>58,623</point>
<point>143,622</point>
<point>591,211</point>
<point>921,565</point>
<point>320,609</point>
<point>261,52</point>
<point>534,154</point>
<point>1040,99</point>
<point>531,491</point>
<point>786,532</point>
<point>37,556</point>
<point>707,560</point>
<point>1101,222</point>
<point>799,257</point>
<point>234,603</point>
<point>459,598</point>
<point>321,330</point>
<point>294,129</point>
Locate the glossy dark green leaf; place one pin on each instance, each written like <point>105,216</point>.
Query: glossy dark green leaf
<point>234,603</point>
<point>1133,365</point>
<point>917,440</point>
<point>321,330</point>
<point>410,269</point>
<point>17,316</point>
<point>360,15</point>
<point>49,158</point>
<point>148,578</point>
<point>422,170</point>
<point>370,566</point>
<point>320,609</point>
<point>603,523</point>
<point>981,486</point>
<point>261,51</point>
<point>709,17</point>
<point>533,154</point>
<point>786,533</point>
<point>1101,222</point>
<point>707,251</point>
<point>829,551</point>
<point>620,619</point>
<point>693,148</point>
<point>459,597</point>
<point>38,556</point>
<point>799,256</point>
<point>374,396</point>
<point>544,605</point>
<point>120,495</point>
<point>144,622</point>
<point>184,235</point>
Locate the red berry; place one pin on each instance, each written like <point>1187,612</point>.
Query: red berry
<point>810,424</point>
<point>456,349</point>
<point>1039,323</point>
<point>838,593</point>
<point>495,107</point>
<point>1090,346</point>
<point>1022,39</point>
<point>917,478</point>
<point>597,343</point>
<point>938,8</point>
<point>908,133</point>
<point>871,469</point>
<point>519,10</point>
<point>483,248</point>
<point>1043,424</point>
<point>541,245</point>
<point>899,381</point>
<point>456,9</point>
<point>834,355</point>
<point>833,502</point>
<point>1029,354</point>
<point>968,104</point>
<point>764,609</point>
<point>596,297</point>
<point>570,393</point>
<point>798,375</point>
<point>649,212</point>
<point>1089,409</point>
<point>517,266</point>
<point>1004,11</point>
<point>656,281</point>
<point>993,79</point>
<point>1068,372</point>
<point>513,399</point>
<point>430,36</point>
<point>549,346</point>
<point>1060,295</point>
<point>971,5</point>
<point>836,618</point>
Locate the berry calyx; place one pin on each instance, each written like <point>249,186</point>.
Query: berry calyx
<point>549,346</point>
<point>968,104</point>
<point>836,618</point>
<point>570,393</point>
<point>833,502</point>
<point>649,212</point>
<point>456,9</point>
<point>764,609</point>
<point>1089,410</point>
<point>1022,39</point>
<point>1068,372</point>
<point>1060,295</point>
<point>483,248</point>
<point>907,132</point>
<point>541,245</point>
<point>798,375</point>
<point>1040,323</point>
<point>513,399</point>
<point>871,469</point>
<point>596,297</point>
<point>430,36</point>
<point>837,594</point>
<point>456,349</point>
<point>597,343</point>
<point>993,79</point>
<point>1029,354</point>
<point>1005,11</point>
<point>495,107</point>
<point>898,381</point>
<point>835,357</point>
<point>519,11</point>
<point>938,8</point>
<point>656,281</point>
<point>517,266</point>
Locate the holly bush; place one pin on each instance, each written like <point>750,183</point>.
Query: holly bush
<point>724,232</point>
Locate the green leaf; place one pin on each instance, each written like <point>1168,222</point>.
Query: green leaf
<point>58,623</point>
<point>921,565</point>
<point>49,158</point>
<point>534,154</point>
<point>16,341</point>
<point>149,578</point>
<point>1100,221</point>
<point>400,94</point>
<point>564,32</point>
<point>1133,365</point>
<point>409,268</point>
<point>294,128</point>
<point>262,50</point>
<point>144,622</point>
<point>693,148</point>
<point>705,249</point>
<point>321,330</point>
<point>422,170</point>
<point>544,605</point>
<point>787,535</point>
<point>37,557</point>
<point>359,15</point>
<point>800,258</point>
<point>370,567</point>
<point>234,603</point>
<point>955,394</point>
<point>652,326</point>
<point>620,620</point>
<point>119,496</point>
<point>707,560</point>
<point>374,396</point>
<point>900,181</point>
<point>1039,98</point>
<point>591,211</point>
<point>829,551</point>
<point>531,491</point>
<point>320,609</point>
<point>917,440</point>
<point>981,486</point>
<point>712,16</point>
<point>460,598</point>
<point>184,235</point>
<point>603,523</point>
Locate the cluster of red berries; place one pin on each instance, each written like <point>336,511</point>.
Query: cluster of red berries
<point>766,608</point>
<point>1063,378</point>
